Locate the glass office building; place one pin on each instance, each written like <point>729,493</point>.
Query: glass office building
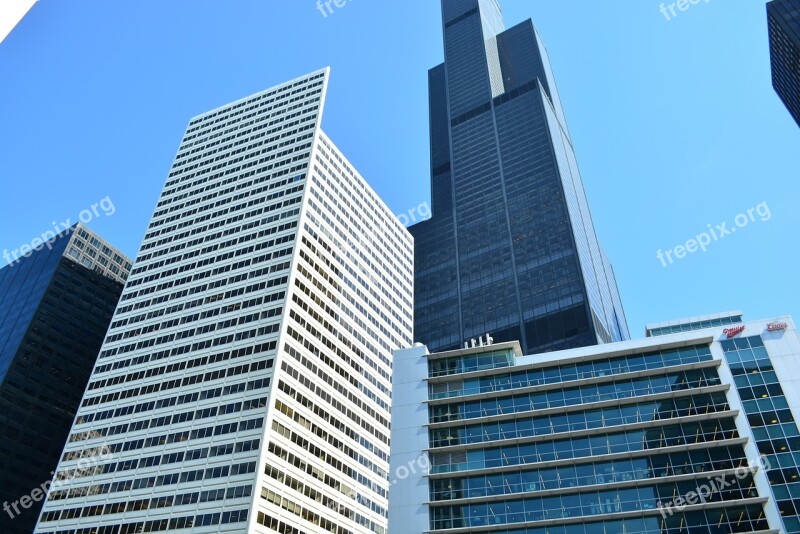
<point>511,249</point>
<point>55,308</point>
<point>691,432</point>
<point>784,47</point>
<point>245,382</point>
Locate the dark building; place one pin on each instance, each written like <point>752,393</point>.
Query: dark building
<point>55,308</point>
<point>511,248</point>
<point>784,48</point>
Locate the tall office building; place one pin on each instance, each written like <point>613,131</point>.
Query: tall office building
<point>692,430</point>
<point>511,248</point>
<point>55,307</point>
<point>784,47</point>
<point>245,383</point>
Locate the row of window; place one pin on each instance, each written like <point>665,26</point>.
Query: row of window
<point>333,461</point>
<point>244,161</point>
<point>327,436</point>
<point>385,362</point>
<point>150,482</point>
<point>215,342</point>
<point>187,398</point>
<point>556,398</point>
<point>247,131</point>
<point>168,420</point>
<point>324,340</point>
<point>180,437</point>
<point>155,503</point>
<point>728,520</point>
<point>373,397</point>
<point>562,373</point>
<point>239,180</point>
<point>166,459</point>
<point>204,360</point>
<point>580,421</point>
<point>321,497</point>
<point>587,446</point>
<point>205,274</point>
<point>583,504</point>
<point>228,229</point>
<point>205,314</point>
<point>342,408</point>
<point>222,310</point>
<point>271,96</point>
<point>320,289</point>
<point>382,238</point>
<point>283,117</point>
<point>186,305</point>
<point>281,114</point>
<point>360,190</point>
<point>236,176</point>
<point>185,381</point>
<point>688,327</point>
<point>364,243</point>
<point>99,246</point>
<point>218,260</point>
<point>271,179</point>
<point>392,301</point>
<point>160,525</point>
<point>324,525</point>
<point>264,134</point>
<point>200,240</point>
<point>329,480</point>
<point>213,298</point>
<point>589,474</point>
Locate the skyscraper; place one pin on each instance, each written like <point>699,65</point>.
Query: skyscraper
<point>784,47</point>
<point>511,249</point>
<point>692,430</point>
<point>244,385</point>
<point>55,307</point>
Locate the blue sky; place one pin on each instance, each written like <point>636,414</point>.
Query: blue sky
<point>675,123</point>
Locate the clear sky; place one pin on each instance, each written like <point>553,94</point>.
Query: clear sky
<point>675,122</point>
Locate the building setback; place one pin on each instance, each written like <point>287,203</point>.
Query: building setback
<point>784,46</point>
<point>55,307</point>
<point>511,248</point>
<point>244,385</point>
<point>694,431</point>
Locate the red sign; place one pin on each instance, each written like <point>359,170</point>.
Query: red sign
<point>774,327</point>
<point>732,332</point>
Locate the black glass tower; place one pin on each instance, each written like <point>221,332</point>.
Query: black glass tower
<point>55,308</point>
<point>511,249</point>
<point>784,48</point>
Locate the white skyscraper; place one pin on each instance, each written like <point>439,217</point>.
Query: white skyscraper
<point>245,382</point>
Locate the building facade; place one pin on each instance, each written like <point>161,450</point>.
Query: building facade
<point>735,317</point>
<point>511,249</point>
<point>245,383</point>
<point>694,431</point>
<point>55,307</point>
<point>784,47</point>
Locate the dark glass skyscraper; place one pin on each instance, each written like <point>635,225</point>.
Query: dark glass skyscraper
<point>784,48</point>
<point>511,248</point>
<point>55,307</point>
